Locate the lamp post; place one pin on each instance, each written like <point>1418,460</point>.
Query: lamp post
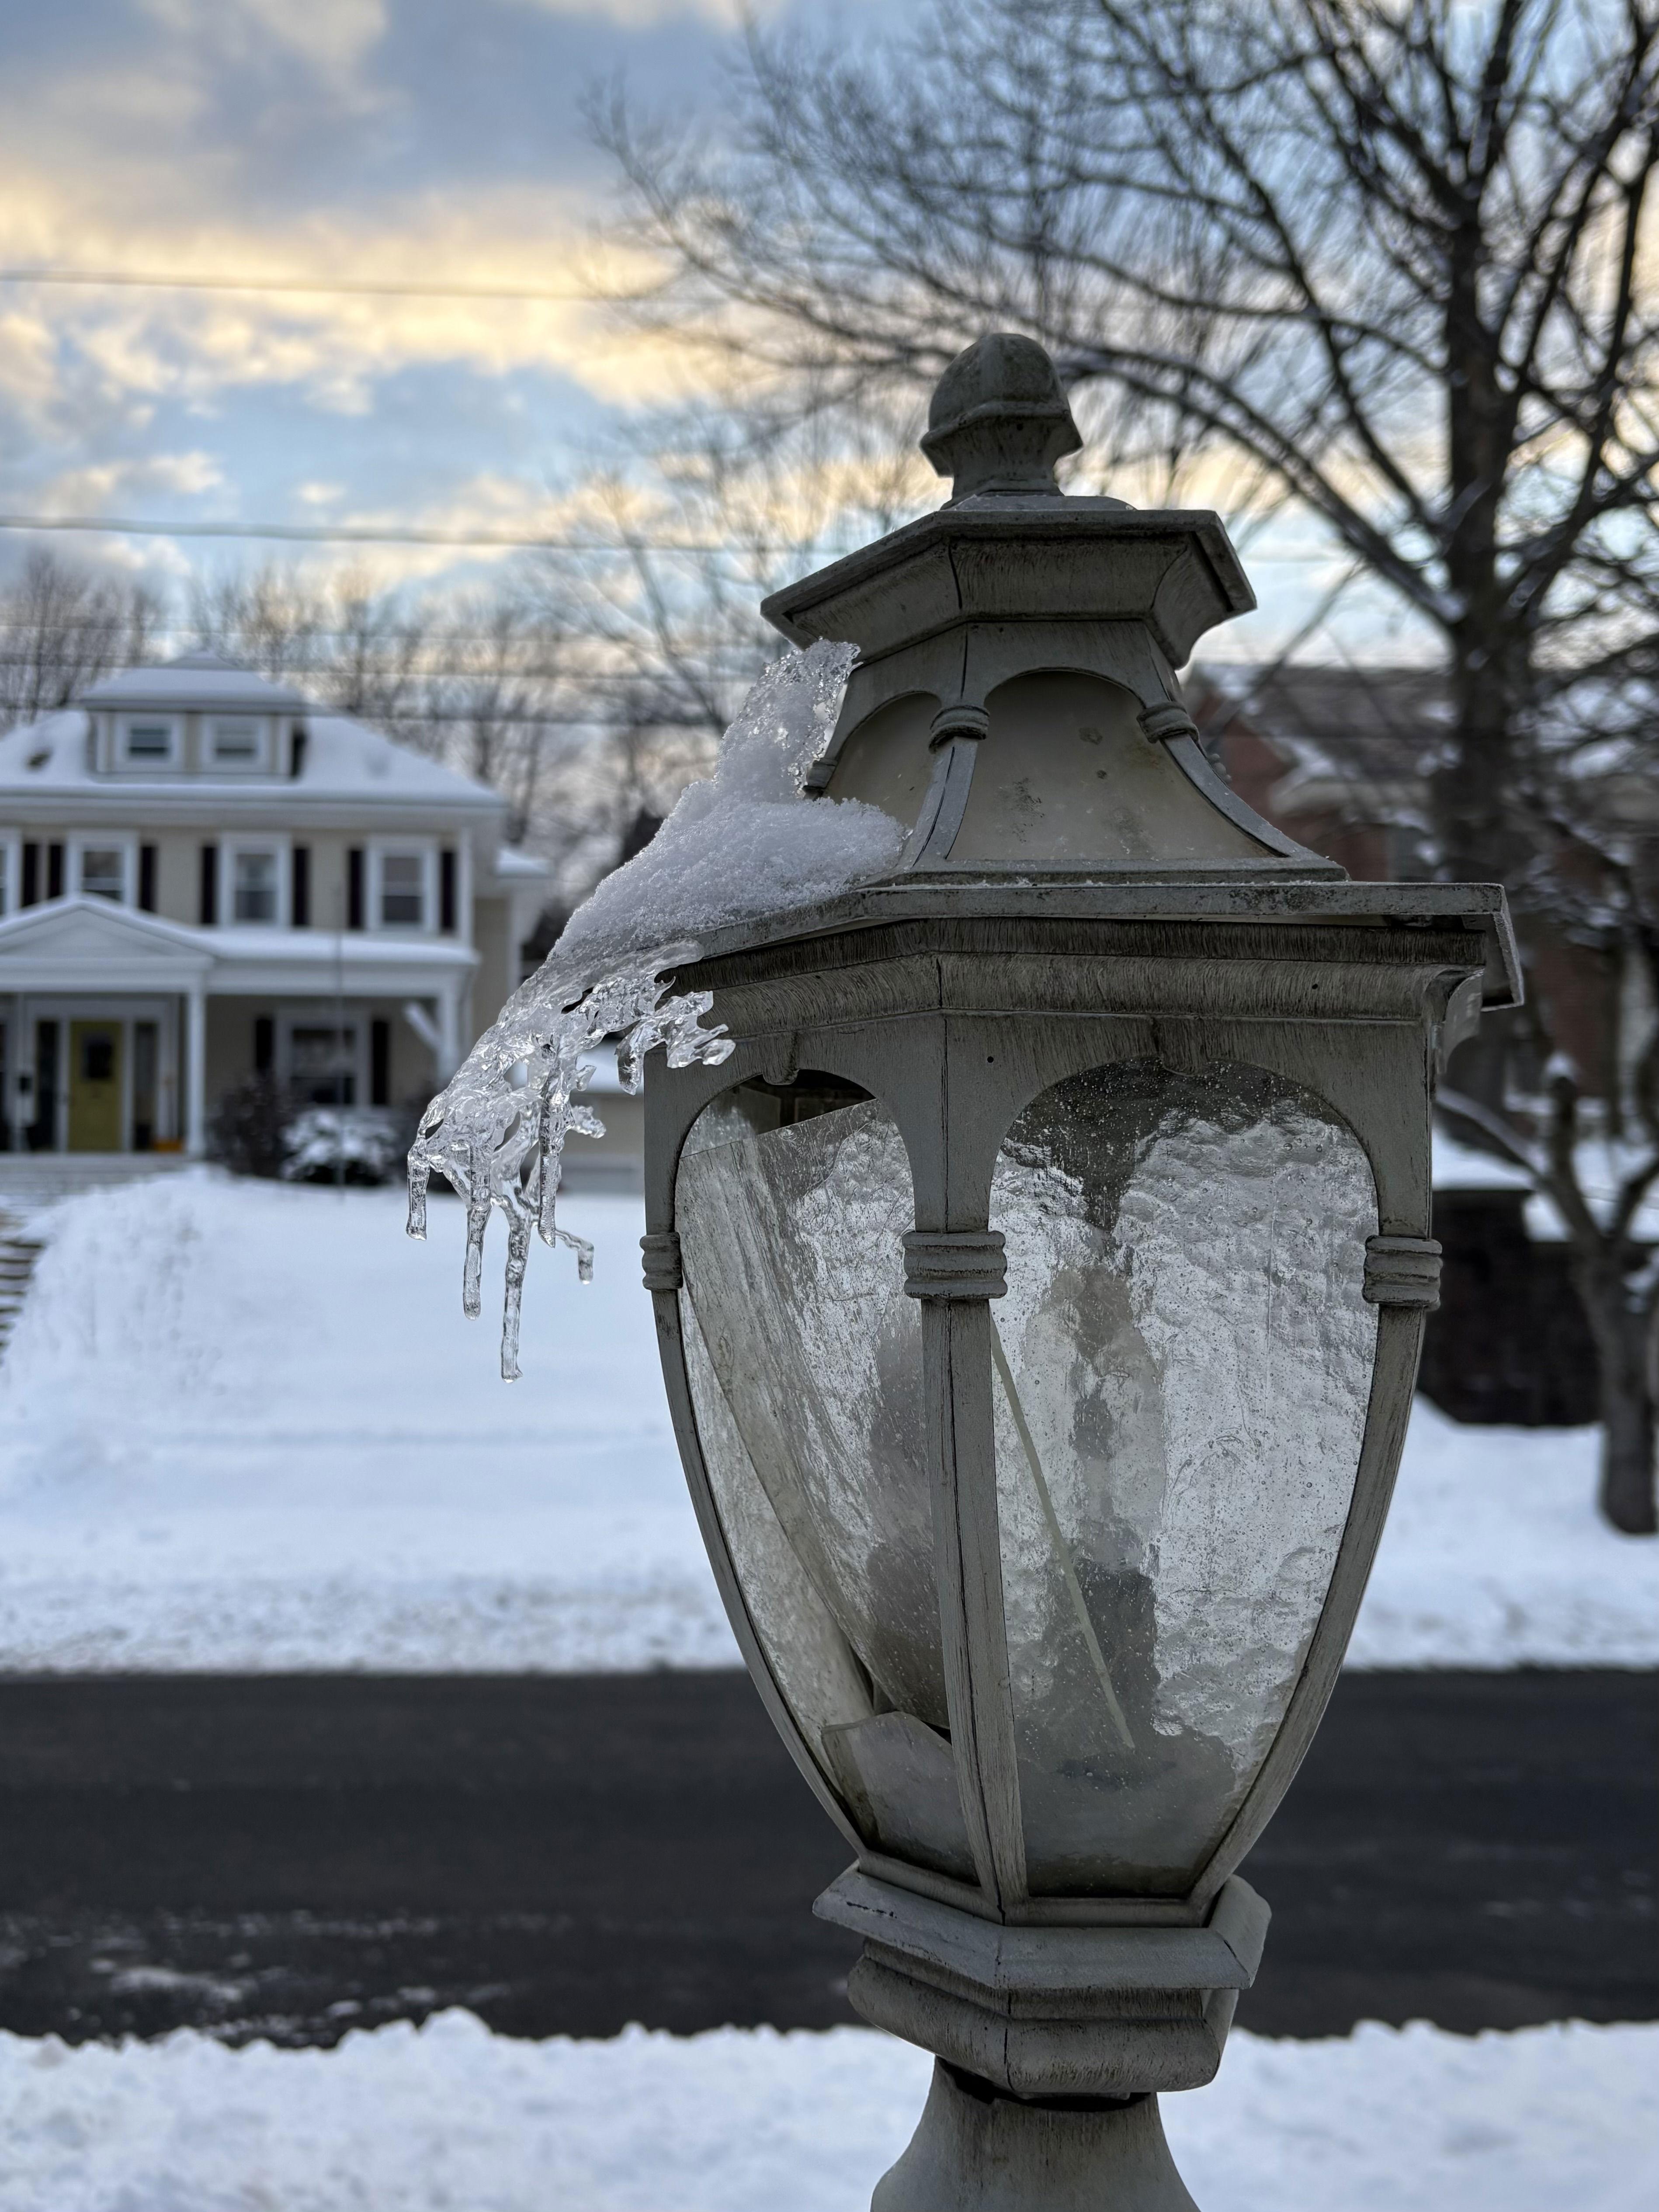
<point>1040,1286</point>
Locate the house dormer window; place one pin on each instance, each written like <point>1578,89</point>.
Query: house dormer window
<point>236,741</point>
<point>149,740</point>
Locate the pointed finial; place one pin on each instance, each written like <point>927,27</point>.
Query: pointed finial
<point>999,421</point>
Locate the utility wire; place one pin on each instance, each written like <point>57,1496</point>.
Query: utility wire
<point>392,534</point>
<point>147,280</point>
<point>389,534</point>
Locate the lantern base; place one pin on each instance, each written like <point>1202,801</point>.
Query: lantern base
<point>976,2150</point>
<point>1051,2044</point>
<point>1051,2012</point>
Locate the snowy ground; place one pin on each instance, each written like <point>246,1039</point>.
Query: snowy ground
<point>449,2116</point>
<point>244,1427</point>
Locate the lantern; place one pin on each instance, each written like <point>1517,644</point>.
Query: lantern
<point>1040,1287</point>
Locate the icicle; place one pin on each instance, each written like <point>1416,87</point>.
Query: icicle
<point>478,1220</point>
<point>418,1180</point>
<point>517,1254</point>
<point>746,842</point>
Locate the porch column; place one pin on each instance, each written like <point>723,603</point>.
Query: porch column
<point>449,1030</point>
<point>196,1072</point>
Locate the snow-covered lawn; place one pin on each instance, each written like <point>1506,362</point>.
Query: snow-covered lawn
<point>245,1426</point>
<point>747,2120</point>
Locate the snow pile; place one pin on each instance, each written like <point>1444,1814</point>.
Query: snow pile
<point>414,2119</point>
<point>746,843</point>
<point>1494,1555</point>
<point>239,1430</point>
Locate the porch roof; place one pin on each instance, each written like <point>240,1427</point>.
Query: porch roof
<point>91,945</point>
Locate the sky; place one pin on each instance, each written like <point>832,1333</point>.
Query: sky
<point>436,142</point>
<point>386,140</point>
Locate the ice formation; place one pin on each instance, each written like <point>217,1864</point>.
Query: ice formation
<point>745,843</point>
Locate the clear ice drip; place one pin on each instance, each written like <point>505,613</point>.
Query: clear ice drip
<point>745,843</point>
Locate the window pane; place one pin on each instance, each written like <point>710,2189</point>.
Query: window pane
<point>236,741</point>
<point>101,873</point>
<point>253,893</point>
<point>402,887</point>
<point>149,740</point>
<point>323,1063</point>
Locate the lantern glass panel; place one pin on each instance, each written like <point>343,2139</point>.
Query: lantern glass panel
<point>1181,1368</point>
<point>803,1356</point>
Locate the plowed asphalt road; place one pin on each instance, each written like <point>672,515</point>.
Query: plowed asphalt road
<point>293,1856</point>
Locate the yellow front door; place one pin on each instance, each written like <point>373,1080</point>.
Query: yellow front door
<point>94,1087</point>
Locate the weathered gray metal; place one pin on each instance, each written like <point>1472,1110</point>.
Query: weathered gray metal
<point>949,1000</point>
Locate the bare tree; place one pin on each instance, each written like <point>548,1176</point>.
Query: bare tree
<point>701,512</point>
<point>62,628</point>
<point>1387,261</point>
<point>353,642</point>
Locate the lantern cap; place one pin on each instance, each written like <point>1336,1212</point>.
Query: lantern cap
<point>1000,421</point>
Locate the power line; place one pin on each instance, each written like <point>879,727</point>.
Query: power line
<point>389,534</point>
<point>393,534</point>
<point>147,280</point>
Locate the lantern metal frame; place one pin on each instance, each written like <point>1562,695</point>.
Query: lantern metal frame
<point>953,1009</point>
<point>1113,907</point>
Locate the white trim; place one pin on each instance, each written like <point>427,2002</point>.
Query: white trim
<point>379,851</point>
<point>12,872</point>
<point>101,841</point>
<point>277,843</point>
<point>195,1129</point>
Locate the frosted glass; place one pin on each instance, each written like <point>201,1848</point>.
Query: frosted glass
<point>1185,1361</point>
<point>805,1360</point>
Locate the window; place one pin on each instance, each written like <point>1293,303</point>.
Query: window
<point>403,890</point>
<point>237,741</point>
<point>103,873</point>
<point>253,886</point>
<point>323,1062</point>
<point>143,739</point>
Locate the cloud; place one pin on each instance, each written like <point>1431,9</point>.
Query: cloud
<point>647,15</point>
<point>333,37</point>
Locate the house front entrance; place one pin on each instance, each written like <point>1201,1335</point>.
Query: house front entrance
<point>95,1087</point>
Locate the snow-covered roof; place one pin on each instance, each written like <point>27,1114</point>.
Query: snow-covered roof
<point>512,861</point>
<point>343,758</point>
<point>192,681</point>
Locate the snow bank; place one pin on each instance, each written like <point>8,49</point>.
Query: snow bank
<point>243,1427</point>
<point>446,2116</point>
<point>1494,1555</point>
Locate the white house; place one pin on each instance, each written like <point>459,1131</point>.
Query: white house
<point>201,875</point>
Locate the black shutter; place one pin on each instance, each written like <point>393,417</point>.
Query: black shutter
<point>54,871</point>
<point>447,889</point>
<point>355,887</point>
<point>209,899</point>
<point>30,895</point>
<point>264,1043</point>
<point>299,903</point>
<point>147,877</point>
<point>380,1063</point>
<point>297,755</point>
